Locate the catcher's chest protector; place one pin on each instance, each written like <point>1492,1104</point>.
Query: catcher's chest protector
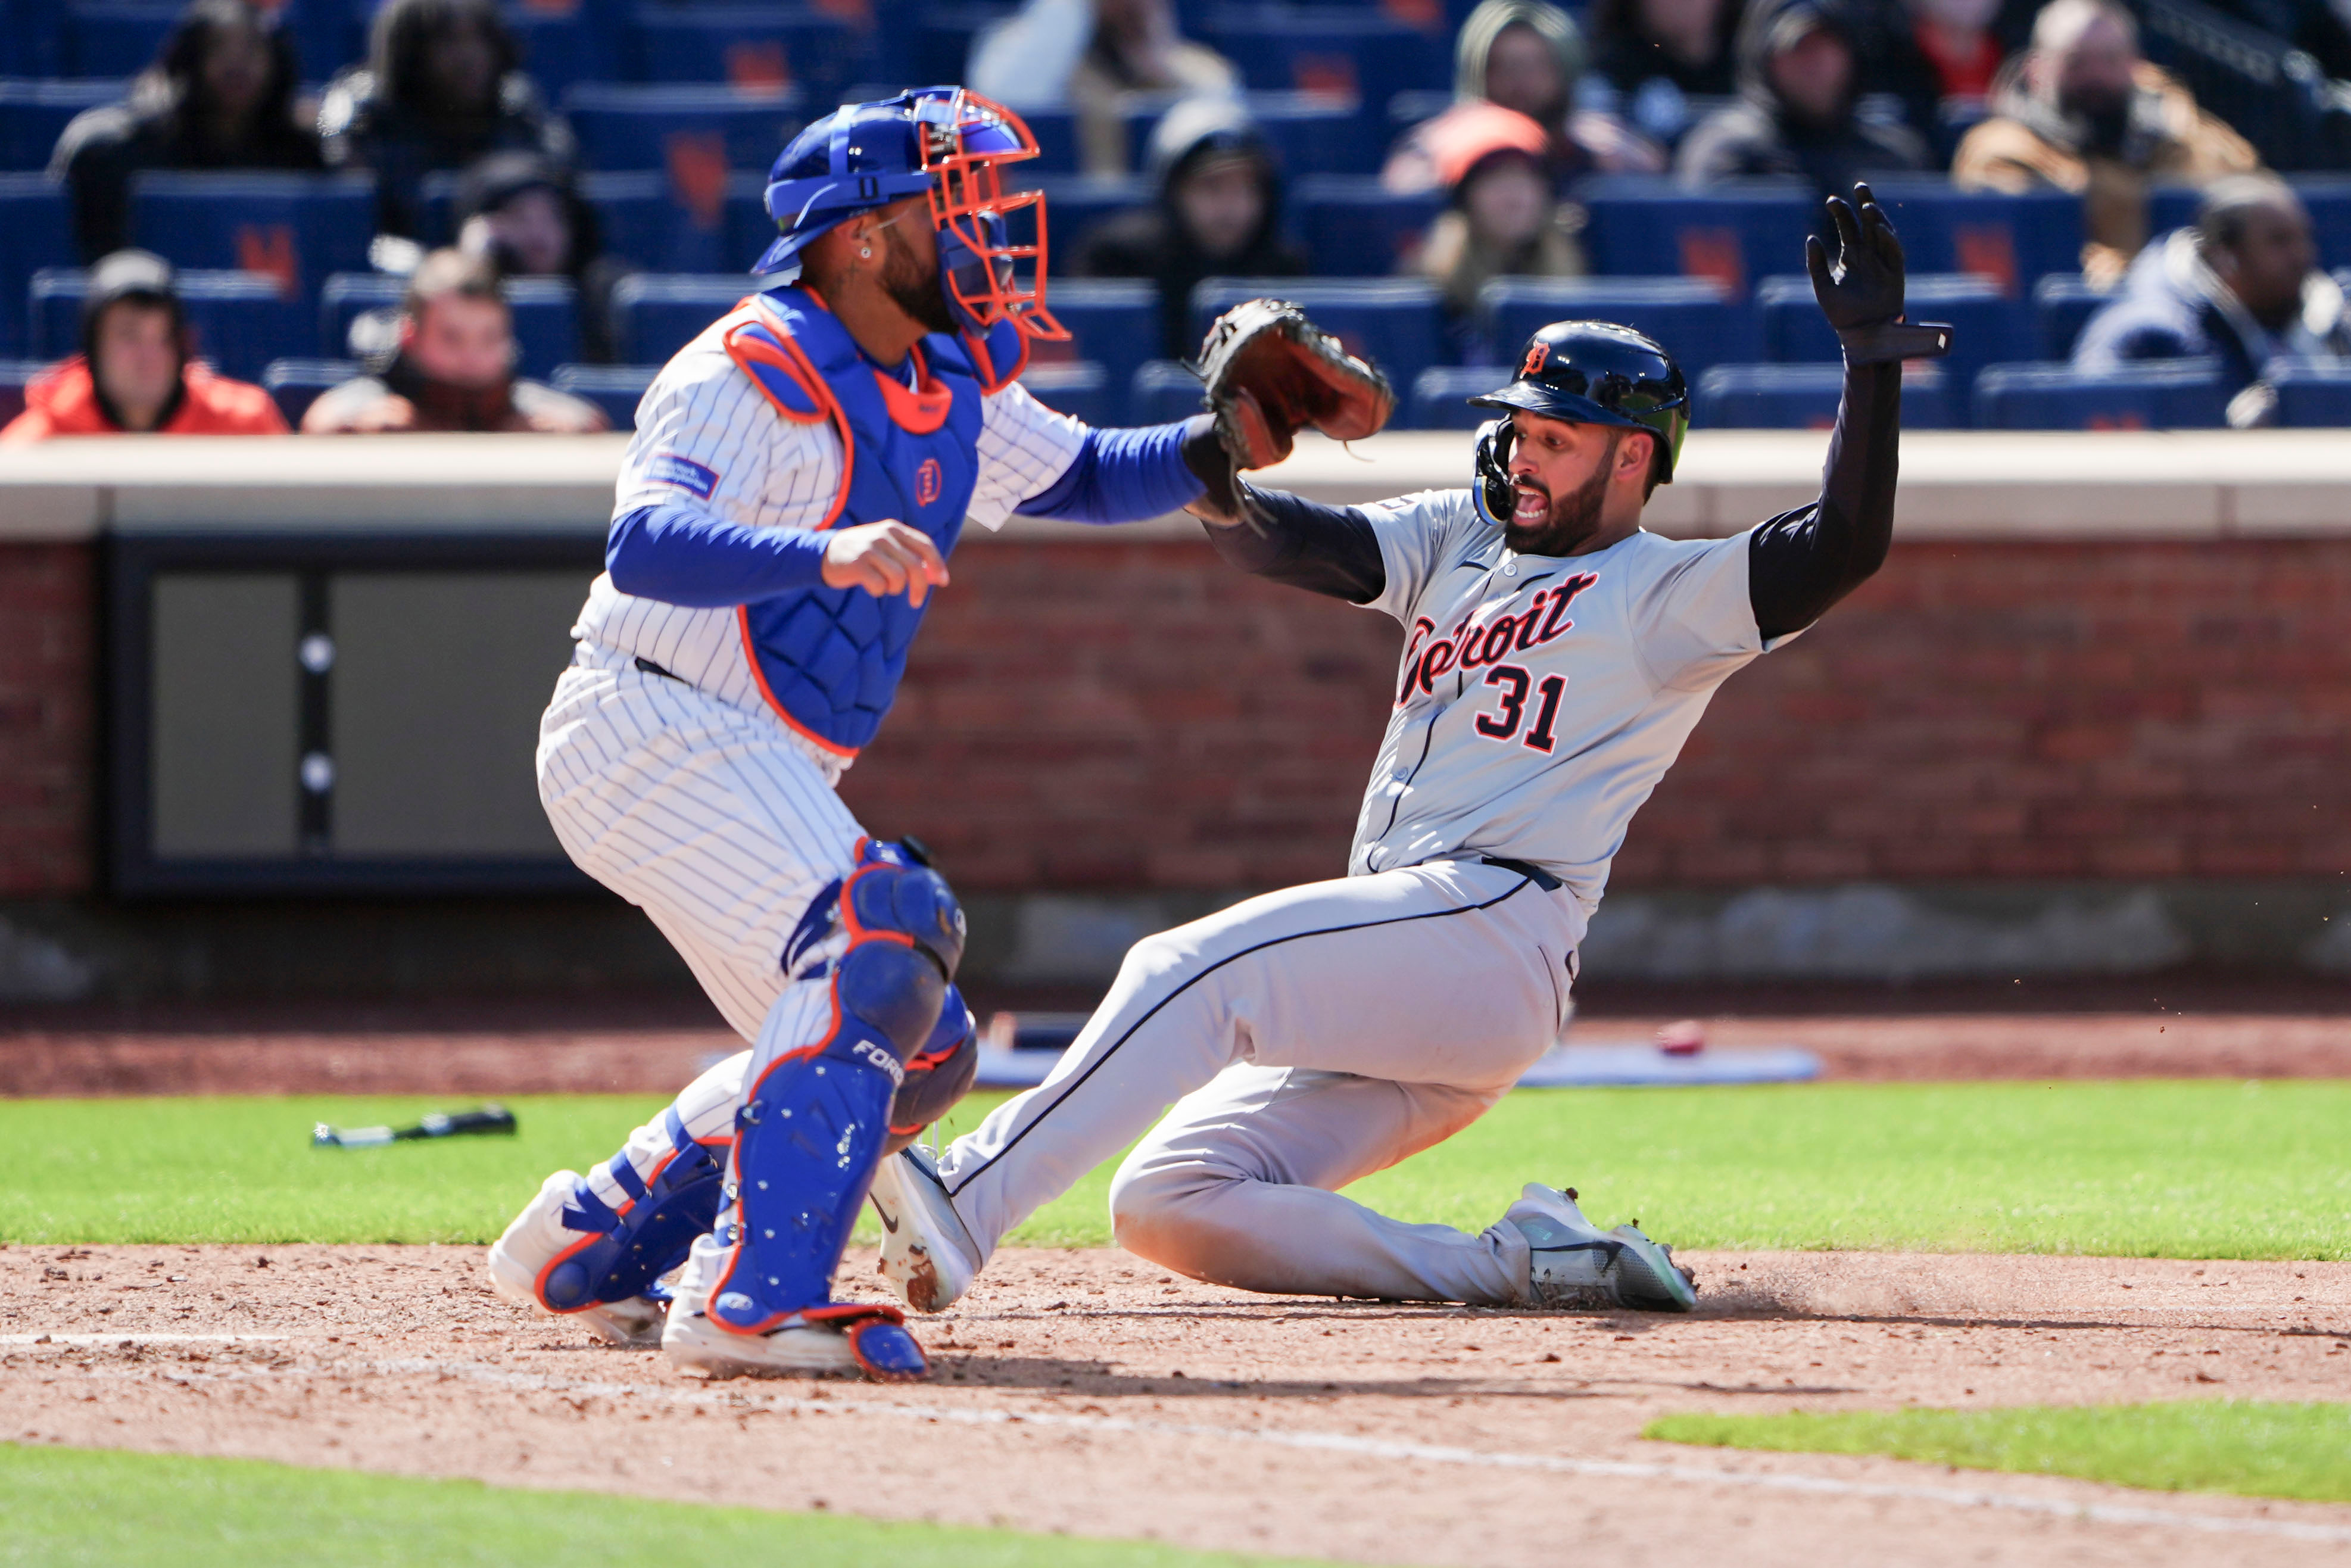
<point>829,659</point>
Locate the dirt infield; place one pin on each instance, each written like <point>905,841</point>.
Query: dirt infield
<point>510,1057</point>
<point>1089,1392</point>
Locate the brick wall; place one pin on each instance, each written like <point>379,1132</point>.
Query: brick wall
<point>48,718</point>
<point>1130,716</point>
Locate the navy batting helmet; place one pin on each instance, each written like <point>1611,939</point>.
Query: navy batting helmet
<point>1594,373</point>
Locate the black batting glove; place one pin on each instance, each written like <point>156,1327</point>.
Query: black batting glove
<point>1860,292</point>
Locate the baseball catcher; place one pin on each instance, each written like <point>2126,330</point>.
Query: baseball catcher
<point>1556,656</point>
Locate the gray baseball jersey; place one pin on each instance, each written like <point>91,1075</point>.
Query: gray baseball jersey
<point>1539,698</point>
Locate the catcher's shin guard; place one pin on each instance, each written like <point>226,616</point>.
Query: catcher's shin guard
<point>814,1121</point>
<point>621,1252</point>
<point>937,1075</point>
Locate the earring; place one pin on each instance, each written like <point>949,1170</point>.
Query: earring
<point>867,253</point>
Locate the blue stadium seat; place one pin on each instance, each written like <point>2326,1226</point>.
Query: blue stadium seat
<point>1332,51</point>
<point>1733,234</point>
<point>638,126</point>
<point>1437,394</point>
<point>546,315</point>
<point>1075,203</point>
<point>755,48</point>
<point>116,37</point>
<point>2328,197</point>
<point>1396,323</point>
<point>1078,388</point>
<point>297,228</point>
<point>636,221</point>
<point>2012,240</point>
<point>1805,397</point>
<point>14,375</point>
<point>2170,207</point>
<point>941,46</point>
<point>241,320</point>
<point>1353,228</point>
<point>33,114</point>
<point>2175,394</point>
<point>1162,392</point>
<point>2063,305</point>
<point>1988,326</point>
<point>615,389</point>
<point>297,383</point>
<point>2313,397</point>
<point>1314,134</point>
<point>1112,322</point>
<point>35,233</point>
<point>1692,317</point>
<point>656,314</point>
<point>562,48</point>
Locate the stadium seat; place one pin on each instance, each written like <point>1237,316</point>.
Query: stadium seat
<point>1350,52</point>
<point>2177,394</point>
<point>656,314</point>
<point>2311,397</point>
<point>1075,203</point>
<point>35,233</point>
<point>1988,326</point>
<point>241,320</point>
<point>1438,394</point>
<point>2012,240</point>
<point>14,375</point>
<point>1805,397</point>
<point>1078,388</point>
<point>1353,228</point>
<point>615,389</point>
<point>753,48</point>
<point>297,383</point>
<point>1733,234</point>
<point>1699,324</point>
<point>564,46</point>
<point>657,126</point>
<point>1396,323</point>
<point>1312,133</point>
<point>1112,322</point>
<point>1162,392</point>
<point>941,45</point>
<point>33,114</point>
<point>2063,305</point>
<point>294,228</point>
<point>2328,197</point>
<point>114,39</point>
<point>546,315</point>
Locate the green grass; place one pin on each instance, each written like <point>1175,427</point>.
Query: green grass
<point>2235,1446</point>
<point>67,1507</point>
<point>2197,1169</point>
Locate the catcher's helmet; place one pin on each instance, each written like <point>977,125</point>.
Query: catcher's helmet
<point>1594,372</point>
<point>938,140</point>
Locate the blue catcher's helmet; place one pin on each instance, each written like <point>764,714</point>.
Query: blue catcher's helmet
<point>942,141</point>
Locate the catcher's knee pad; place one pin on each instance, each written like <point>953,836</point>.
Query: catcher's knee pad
<point>814,1124</point>
<point>937,1075</point>
<point>623,1252</point>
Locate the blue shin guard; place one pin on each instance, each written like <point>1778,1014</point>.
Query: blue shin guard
<point>814,1121</point>
<point>622,1253</point>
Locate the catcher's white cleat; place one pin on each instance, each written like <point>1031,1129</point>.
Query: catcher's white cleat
<point>1573,1263</point>
<point>535,1240</point>
<point>927,1257</point>
<point>835,1340</point>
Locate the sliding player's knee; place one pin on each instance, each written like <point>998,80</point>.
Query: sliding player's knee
<point>1167,1211</point>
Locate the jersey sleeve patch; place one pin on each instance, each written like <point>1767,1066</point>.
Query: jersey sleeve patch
<point>694,478</point>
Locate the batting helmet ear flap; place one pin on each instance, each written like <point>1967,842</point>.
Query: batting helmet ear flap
<point>1491,489</point>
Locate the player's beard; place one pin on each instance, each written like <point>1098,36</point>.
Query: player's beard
<point>1573,518</point>
<point>915,288</point>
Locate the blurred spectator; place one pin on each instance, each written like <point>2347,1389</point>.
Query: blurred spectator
<point>133,375</point>
<point>2082,111</point>
<point>1527,56</point>
<point>2243,286</point>
<point>2317,26</point>
<point>453,367</point>
<point>1219,214</point>
<point>1654,56</point>
<point>1799,79</point>
<point>526,217</point>
<point>221,95</point>
<point>1939,57</point>
<point>440,87</point>
<point>1092,56</point>
<point>1505,217</point>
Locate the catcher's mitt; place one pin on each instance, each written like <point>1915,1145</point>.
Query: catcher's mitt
<point>1270,372</point>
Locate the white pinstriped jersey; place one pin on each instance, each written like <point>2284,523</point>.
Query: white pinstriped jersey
<point>1540,698</point>
<point>764,472</point>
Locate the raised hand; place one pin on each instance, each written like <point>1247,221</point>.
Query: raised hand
<point>884,559</point>
<point>1860,291</point>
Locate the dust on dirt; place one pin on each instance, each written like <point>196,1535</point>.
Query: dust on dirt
<point>1092,1393</point>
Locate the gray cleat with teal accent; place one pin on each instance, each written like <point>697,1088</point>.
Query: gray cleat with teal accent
<point>1574,1264</point>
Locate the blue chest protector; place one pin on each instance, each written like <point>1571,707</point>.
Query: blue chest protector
<point>829,659</point>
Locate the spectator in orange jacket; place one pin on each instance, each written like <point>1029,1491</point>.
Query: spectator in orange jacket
<point>134,375</point>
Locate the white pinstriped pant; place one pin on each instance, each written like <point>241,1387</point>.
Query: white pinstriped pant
<point>711,819</point>
<point>1306,1039</point>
